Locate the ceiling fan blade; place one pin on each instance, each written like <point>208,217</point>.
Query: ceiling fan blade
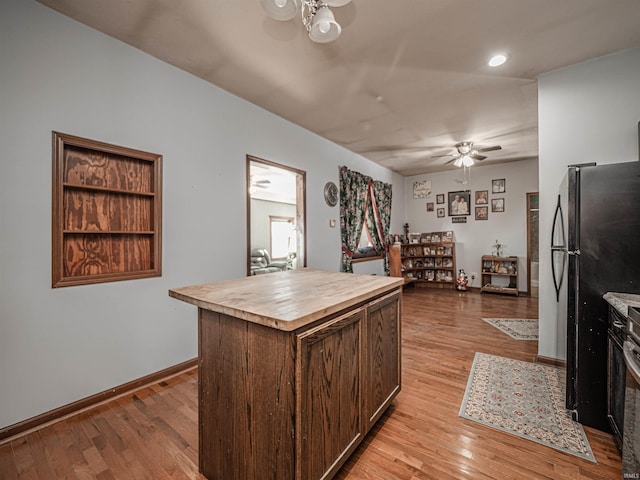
<point>445,155</point>
<point>475,156</point>
<point>489,149</point>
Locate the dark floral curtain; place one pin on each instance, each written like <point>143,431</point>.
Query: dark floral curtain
<point>353,201</point>
<point>363,199</point>
<point>378,217</point>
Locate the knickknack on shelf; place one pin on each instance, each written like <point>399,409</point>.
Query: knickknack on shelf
<point>107,212</point>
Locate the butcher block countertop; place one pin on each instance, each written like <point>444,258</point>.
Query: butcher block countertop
<point>622,301</point>
<point>286,300</point>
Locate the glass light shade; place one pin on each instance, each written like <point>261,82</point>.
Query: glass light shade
<point>336,3</point>
<point>280,9</point>
<point>467,161</point>
<point>458,162</point>
<point>324,28</point>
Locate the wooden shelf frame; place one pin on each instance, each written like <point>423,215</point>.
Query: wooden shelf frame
<point>486,276</point>
<point>106,212</point>
<point>422,252</point>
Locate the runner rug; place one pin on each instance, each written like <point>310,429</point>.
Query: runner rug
<point>518,328</point>
<point>525,399</point>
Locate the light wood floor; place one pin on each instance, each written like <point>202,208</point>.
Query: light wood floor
<point>153,433</point>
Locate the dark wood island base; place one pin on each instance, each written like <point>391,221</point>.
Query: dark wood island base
<point>289,384</point>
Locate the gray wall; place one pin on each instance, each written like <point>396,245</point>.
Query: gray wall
<point>61,345</point>
<point>587,113</point>
<point>476,237</point>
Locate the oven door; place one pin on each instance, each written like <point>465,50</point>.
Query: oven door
<point>631,435</point>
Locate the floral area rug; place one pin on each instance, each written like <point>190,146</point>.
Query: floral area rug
<point>525,399</point>
<point>518,328</point>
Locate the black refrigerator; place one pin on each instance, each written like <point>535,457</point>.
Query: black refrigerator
<point>595,249</point>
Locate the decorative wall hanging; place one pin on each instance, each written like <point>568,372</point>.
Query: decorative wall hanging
<point>422,189</point>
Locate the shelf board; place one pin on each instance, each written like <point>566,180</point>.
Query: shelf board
<point>508,290</point>
<point>108,232</point>
<point>107,190</point>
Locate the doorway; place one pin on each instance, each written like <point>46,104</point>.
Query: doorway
<point>533,243</point>
<point>276,212</point>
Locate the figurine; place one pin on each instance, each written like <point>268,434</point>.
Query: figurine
<point>498,248</point>
<point>462,282</point>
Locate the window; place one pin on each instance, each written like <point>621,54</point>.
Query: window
<point>107,212</point>
<point>283,237</point>
<point>364,237</point>
<point>366,250</point>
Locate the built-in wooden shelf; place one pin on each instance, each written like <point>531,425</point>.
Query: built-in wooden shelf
<point>107,212</point>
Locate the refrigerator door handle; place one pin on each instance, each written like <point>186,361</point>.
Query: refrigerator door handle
<point>558,231</point>
<point>558,276</point>
<point>558,228</point>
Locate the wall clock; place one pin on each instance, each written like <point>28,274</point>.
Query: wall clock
<point>331,194</point>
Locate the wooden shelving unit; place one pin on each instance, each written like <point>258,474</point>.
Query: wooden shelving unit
<point>107,212</point>
<point>428,260</point>
<point>499,267</point>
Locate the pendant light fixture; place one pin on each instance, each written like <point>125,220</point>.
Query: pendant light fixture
<point>316,16</point>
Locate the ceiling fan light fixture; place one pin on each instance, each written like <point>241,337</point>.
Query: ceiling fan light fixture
<point>458,162</point>
<point>316,16</point>
<point>467,161</point>
<point>464,147</point>
<point>282,10</point>
<point>324,28</point>
<point>498,59</point>
<point>337,3</point>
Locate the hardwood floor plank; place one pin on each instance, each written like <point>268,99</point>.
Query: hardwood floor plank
<point>153,432</point>
<point>8,470</point>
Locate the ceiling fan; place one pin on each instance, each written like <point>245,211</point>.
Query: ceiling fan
<point>466,155</point>
<point>259,183</point>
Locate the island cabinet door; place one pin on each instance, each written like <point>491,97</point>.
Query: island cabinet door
<point>381,357</point>
<point>329,420</point>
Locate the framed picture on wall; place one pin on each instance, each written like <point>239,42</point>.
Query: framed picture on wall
<point>429,206</point>
<point>440,198</point>
<point>482,213</point>
<point>422,189</point>
<point>459,203</point>
<point>482,197</point>
<point>497,204</point>
<point>440,213</point>
<point>498,185</point>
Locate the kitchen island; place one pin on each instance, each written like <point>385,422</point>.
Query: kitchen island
<point>294,369</point>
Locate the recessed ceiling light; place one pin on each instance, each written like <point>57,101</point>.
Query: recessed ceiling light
<point>498,60</point>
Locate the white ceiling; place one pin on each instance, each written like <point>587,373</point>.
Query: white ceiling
<point>406,80</point>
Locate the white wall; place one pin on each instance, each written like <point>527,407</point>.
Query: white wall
<point>587,113</point>
<point>61,345</point>
<point>476,237</point>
